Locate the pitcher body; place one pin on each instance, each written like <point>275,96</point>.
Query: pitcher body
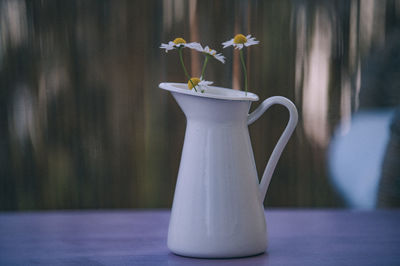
<point>217,211</point>
<point>218,208</point>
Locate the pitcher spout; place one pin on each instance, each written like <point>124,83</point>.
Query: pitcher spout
<point>212,110</point>
<point>215,105</point>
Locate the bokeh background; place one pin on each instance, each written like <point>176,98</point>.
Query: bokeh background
<point>83,123</point>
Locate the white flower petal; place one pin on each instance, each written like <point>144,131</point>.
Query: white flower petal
<point>220,58</point>
<point>209,51</point>
<point>167,47</point>
<point>228,43</point>
<point>207,83</point>
<point>195,45</point>
<point>239,46</point>
<point>171,46</point>
<point>251,43</point>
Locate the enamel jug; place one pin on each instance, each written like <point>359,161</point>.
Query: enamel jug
<point>218,210</point>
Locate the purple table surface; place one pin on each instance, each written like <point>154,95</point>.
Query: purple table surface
<point>296,237</point>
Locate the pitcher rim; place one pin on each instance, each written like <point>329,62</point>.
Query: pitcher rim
<point>213,92</point>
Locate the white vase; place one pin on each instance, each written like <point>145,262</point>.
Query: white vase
<point>218,208</point>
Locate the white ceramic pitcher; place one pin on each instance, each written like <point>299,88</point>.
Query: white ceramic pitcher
<point>218,207</point>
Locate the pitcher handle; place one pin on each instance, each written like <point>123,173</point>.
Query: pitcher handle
<point>283,140</point>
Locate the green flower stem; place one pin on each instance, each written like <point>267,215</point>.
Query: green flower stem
<point>204,66</point>
<point>184,68</point>
<point>244,70</point>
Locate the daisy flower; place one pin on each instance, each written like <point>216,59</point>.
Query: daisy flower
<point>208,53</point>
<point>175,44</point>
<point>214,54</point>
<point>178,43</point>
<point>207,50</point>
<point>240,40</point>
<point>199,82</point>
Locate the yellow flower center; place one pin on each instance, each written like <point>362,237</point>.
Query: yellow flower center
<point>195,81</point>
<point>179,41</point>
<point>240,38</point>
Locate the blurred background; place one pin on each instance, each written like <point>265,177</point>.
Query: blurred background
<point>83,123</point>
